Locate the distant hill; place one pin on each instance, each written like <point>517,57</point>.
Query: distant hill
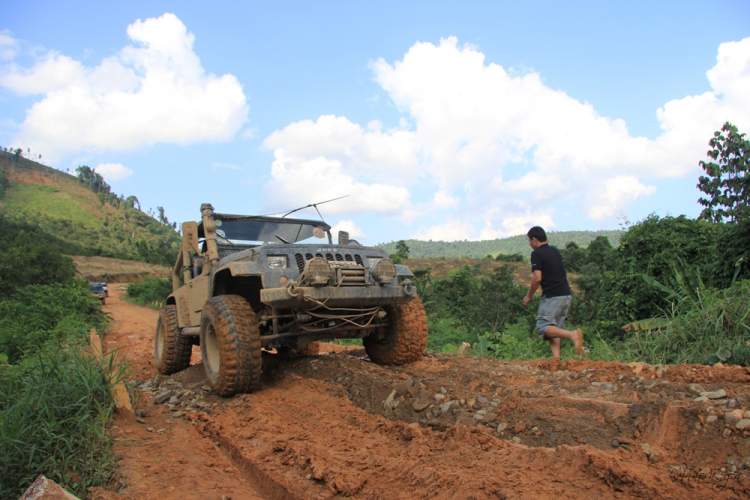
<point>84,222</point>
<point>513,245</point>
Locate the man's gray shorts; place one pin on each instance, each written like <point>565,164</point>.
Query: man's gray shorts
<point>552,312</point>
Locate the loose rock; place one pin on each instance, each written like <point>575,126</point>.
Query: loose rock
<point>743,424</point>
<point>732,417</point>
<point>721,393</point>
<point>420,404</point>
<point>696,388</point>
<point>164,396</point>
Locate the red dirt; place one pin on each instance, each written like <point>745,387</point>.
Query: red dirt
<point>336,425</point>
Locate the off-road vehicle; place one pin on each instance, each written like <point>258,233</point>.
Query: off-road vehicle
<point>243,284</point>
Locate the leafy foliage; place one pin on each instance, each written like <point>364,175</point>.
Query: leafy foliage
<point>150,291</point>
<point>37,314</point>
<point>728,181</point>
<point>30,259</point>
<point>402,252</point>
<point>54,407</point>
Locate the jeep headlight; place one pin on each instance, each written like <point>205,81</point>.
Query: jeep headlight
<point>383,270</point>
<point>317,271</point>
<point>277,261</point>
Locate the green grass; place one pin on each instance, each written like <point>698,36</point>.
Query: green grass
<point>55,402</point>
<point>54,409</point>
<point>52,201</point>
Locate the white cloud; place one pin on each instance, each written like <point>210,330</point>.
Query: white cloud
<point>350,227</point>
<point>502,225</point>
<point>113,171</point>
<point>443,199</point>
<point>618,193</point>
<point>452,230</point>
<point>499,146</point>
<point>319,179</point>
<point>8,45</point>
<point>154,90</point>
<point>215,165</point>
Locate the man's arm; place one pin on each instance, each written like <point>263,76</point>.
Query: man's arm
<point>535,281</point>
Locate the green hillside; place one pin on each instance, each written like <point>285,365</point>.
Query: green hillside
<point>81,213</point>
<point>513,245</point>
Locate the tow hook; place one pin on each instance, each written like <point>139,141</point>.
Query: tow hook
<point>408,289</point>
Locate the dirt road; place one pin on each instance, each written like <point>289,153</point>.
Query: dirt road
<point>336,425</point>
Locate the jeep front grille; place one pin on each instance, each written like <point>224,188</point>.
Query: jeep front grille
<point>348,270</point>
<point>346,274</point>
<point>300,261</point>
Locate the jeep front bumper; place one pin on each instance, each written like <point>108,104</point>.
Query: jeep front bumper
<point>290,297</point>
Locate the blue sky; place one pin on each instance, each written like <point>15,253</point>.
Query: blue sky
<point>440,120</point>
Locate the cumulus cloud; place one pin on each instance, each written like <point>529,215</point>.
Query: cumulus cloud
<point>453,230</point>
<point>500,147</point>
<point>113,171</point>
<point>350,227</point>
<point>154,90</point>
<point>8,45</point>
<point>319,179</point>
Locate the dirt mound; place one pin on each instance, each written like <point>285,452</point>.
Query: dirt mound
<point>111,270</point>
<point>444,427</point>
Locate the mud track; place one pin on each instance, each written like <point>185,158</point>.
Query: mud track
<point>336,425</point>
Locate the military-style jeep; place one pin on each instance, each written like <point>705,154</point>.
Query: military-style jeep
<point>242,284</point>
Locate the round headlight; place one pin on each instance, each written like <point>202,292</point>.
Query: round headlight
<point>317,271</point>
<point>384,271</point>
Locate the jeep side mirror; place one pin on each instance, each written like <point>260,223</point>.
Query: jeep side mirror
<point>343,238</point>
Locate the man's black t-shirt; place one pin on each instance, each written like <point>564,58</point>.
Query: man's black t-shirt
<point>548,260</point>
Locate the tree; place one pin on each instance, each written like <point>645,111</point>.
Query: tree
<point>728,181</point>
<point>573,257</point>
<point>600,252</point>
<point>402,252</point>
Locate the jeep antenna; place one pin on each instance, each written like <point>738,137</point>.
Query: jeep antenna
<point>314,205</point>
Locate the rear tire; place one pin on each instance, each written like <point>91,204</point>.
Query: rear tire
<point>171,350</point>
<point>405,339</point>
<point>230,345</point>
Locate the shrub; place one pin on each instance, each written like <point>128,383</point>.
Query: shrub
<point>54,407</point>
<point>150,291</point>
<point>40,314</point>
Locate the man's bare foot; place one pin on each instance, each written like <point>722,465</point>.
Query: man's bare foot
<point>578,342</point>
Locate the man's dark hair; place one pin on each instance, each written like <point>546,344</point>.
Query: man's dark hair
<point>538,233</point>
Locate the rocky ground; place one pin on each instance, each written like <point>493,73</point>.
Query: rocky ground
<point>336,425</point>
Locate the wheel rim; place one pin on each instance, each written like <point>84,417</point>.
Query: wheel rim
<point>159,343</point>
<point>212,358</point>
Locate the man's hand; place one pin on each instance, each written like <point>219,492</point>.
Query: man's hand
<point>536,280</point>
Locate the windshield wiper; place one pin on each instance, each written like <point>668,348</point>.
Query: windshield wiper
<point>282,239</point>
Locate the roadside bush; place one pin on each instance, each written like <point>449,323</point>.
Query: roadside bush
<point>54,407</point>
<point>714,326</point>
<point>148,292</point>
<point>40,314</point>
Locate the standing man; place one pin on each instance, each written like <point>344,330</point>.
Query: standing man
<point>549,272</point>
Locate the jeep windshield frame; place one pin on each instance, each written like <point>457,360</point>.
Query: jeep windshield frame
<point>266,230</point>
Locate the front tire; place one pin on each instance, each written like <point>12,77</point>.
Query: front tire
<point>405,339</point>
<point>230,345</point>
<point>171,350</point>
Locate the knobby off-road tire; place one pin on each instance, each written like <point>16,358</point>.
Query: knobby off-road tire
<point>406,338</point>
<point>230,345</point>
<point>171,350</point>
